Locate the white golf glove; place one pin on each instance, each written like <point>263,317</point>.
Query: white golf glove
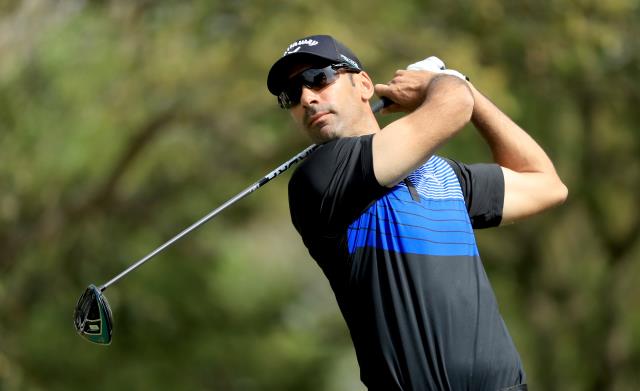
<point>434,64</point>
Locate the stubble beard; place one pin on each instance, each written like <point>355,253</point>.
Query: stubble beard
<point>329,127</point>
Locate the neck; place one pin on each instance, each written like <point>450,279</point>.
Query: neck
<point>367,124</point>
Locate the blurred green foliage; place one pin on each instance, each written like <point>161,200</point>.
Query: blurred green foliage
<point>122,122</point>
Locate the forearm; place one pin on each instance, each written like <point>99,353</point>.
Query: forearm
<point>510,145</point>
<point>531,182</point>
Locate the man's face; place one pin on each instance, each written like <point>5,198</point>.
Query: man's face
<point>328,112</point>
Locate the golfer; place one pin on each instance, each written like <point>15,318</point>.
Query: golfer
<point>391,224</point>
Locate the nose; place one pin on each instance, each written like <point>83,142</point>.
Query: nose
<point>308,97</point>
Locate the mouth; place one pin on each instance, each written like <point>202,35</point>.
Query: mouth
<point>317,117</point>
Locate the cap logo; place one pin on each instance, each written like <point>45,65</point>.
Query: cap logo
<point>294,47</point>
<point>350,61</point>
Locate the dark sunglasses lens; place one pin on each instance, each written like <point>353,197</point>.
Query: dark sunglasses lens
<point>317,78</point>
<point>92,318</point>
<point>311,78</point>
<point>290,96</point>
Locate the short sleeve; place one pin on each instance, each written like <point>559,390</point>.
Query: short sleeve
<point>332,187</point>
<point>483,189</point>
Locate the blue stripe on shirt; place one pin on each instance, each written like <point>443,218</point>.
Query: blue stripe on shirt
<point>430,227</point>
<point>437,225</point>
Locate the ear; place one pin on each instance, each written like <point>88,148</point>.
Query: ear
<point>366,85</point>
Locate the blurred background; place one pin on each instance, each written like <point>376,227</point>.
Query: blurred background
<point>122,122</point>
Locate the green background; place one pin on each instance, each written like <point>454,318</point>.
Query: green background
<point>122,122</point>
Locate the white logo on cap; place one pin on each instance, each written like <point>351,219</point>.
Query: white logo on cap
<point>296,45</point>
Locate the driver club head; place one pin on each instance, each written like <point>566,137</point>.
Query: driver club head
<point>92,317</point>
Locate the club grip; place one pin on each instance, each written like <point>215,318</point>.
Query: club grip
<point>382,103</point>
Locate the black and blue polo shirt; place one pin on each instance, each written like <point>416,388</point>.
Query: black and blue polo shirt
<point>405,269</point>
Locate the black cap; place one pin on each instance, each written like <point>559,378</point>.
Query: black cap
<point>311,48</point>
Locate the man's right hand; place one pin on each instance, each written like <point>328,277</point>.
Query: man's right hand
<point>407,90</point>
<point>431,64</point>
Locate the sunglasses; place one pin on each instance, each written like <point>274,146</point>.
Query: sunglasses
<point>313,78</point>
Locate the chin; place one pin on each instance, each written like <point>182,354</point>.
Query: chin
<point>323,135</point>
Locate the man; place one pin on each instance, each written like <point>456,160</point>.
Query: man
<point>391,224</point>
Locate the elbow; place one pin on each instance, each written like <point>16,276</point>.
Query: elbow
<point>463,101</point>
<point>559,193</point>
<point>468,105</point>
<point>451,90</point>
<point>563,193</point>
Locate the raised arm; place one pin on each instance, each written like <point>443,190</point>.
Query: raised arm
<point>531,182</point>
<point>438,106</point>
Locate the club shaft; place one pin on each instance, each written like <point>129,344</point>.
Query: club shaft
<point>282,168</point>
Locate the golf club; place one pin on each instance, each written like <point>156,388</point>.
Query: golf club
<point>93,319</point>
